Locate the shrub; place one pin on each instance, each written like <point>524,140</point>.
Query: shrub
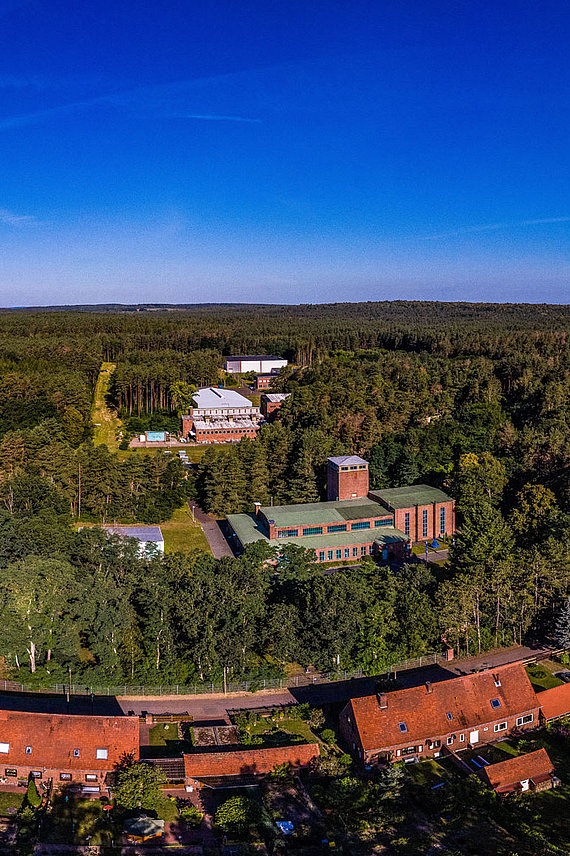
<point>236,814</point>
<point>328,736</point>
<point>191,815</point>
<point>316,717</point>
<point>32,795</point>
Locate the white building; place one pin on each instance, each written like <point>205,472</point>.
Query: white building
<point>258,364</point>
<point>210,401</point>
<point>148,536</point>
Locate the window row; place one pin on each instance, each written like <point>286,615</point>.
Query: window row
<point>101,754</point>
<point>12,772</point>
<point>345,553</point>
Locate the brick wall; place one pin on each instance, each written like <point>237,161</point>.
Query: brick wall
<point>248,761</point>
<point>433,520</point>
<point>346,484</point>
<point>187,422</point>
<point>232,435</point>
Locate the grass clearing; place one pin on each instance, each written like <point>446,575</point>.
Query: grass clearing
<point>541,677</point>
<point>106,423</point>
<point>10,803</point>
<point>181,534</point>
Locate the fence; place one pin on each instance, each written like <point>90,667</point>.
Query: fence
<point>250,686</point>
<point>253,685</point>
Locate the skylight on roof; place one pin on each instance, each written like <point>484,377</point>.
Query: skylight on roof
<point>449,715</point>
<point>403,727</point>
<point>495,702</point>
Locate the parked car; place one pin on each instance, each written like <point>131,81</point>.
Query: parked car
<point>564,675</point>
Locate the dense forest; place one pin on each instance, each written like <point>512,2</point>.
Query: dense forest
<point>471,398</point>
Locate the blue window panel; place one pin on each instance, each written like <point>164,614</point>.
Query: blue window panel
<point>339,554</point>
<point>347,552</point>
<point>313,530</point>
<point>330,555</point>
<point>363,550</point>
<point>337,527</point>
<point>355,552</point>
<point>442,521</point>
<point>424,523</point>
<point>362,524</point>
<point>495,702</point>
<point>370,549</point>
<point>287,533</point>
<point>407,523</point>
<point>386,522</point>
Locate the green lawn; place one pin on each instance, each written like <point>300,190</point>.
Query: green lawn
<point>73,821</point>
<point>10,803</point>
<point>105,421</point>
<point>181,534</point>
<point>541,677</point>
<point>285,728</point>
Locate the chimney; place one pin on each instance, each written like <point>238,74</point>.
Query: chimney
<point>382,701</point>
<point>257,507</point>
<point>428,687</point>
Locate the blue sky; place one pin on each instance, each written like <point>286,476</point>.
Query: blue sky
<point>284,151</point>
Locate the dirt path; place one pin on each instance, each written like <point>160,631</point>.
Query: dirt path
<point>105,421</point>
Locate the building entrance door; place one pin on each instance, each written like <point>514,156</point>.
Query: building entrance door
<point>474,738</point>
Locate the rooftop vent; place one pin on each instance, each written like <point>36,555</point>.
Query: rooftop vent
<point>382,700</point>
<point>429,687</point>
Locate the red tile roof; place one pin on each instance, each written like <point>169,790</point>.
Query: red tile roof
<point>54,737</point>
<point>555,702</point>
<point>506,775</point>
<point>248,761</point>
<point>467,698</point>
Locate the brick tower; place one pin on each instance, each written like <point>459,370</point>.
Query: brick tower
<point>347,477</point>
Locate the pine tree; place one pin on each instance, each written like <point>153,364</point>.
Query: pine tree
<point>562,626</point>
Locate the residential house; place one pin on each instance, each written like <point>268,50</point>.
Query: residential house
<point>422,722</point>
<point>79,751</point>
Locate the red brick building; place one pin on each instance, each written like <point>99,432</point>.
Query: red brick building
<point>245,762</point>
<point>272,401</point>
<point>347,478</point>
<point>424,721</point>
<point>531,772</point>
<point>555,702</point>
<point>355,521</point>
<point>220,416</point>
<point>71,750</point>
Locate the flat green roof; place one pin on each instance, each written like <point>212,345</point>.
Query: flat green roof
<point>415,494</point>
<point>321,513</point>
<point>248,530</point>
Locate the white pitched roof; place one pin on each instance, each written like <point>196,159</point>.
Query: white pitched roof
<point>212,397</point>
<point>345,460</point>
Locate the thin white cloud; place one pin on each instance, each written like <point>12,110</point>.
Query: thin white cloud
<point>219,118</point>
<point>11,218</point>
<point>492,227</point>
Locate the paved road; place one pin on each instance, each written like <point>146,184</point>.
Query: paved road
<point>218,544</point>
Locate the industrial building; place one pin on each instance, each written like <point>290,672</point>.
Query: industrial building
<point>354,521</point>
<point>220,416</point>
<point>272,401</point>
<point>260,364</point>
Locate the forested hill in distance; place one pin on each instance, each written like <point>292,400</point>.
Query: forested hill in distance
<point>471,398</point>
<point>388,310</point>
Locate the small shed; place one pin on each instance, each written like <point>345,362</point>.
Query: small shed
<point>531,772</point>
<point>146,535</point>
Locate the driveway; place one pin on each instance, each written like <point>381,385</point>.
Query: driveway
<point>211,528</point>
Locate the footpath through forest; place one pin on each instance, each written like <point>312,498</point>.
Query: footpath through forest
<point>105,421</point>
